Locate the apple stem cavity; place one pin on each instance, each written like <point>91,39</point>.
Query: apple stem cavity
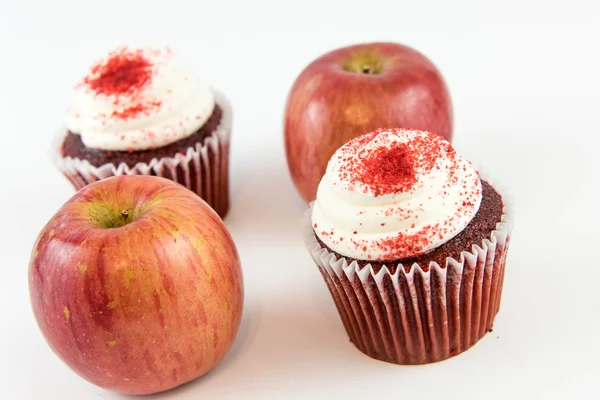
<point>104,216</point>
<point>364,63</point>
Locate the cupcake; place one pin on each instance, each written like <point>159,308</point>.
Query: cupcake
<point>140,112</point>
<point>412,245</point>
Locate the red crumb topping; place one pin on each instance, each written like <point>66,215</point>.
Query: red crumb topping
<point>133,111</point>
<point>125,72</point>
<point>388,169</point>
<point>394,167</point>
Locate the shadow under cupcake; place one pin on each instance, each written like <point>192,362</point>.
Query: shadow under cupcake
<point>139,112</point>
<point>411,244</point>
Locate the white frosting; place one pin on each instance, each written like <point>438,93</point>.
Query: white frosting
<point>384,219</point>
<point>167,107</point>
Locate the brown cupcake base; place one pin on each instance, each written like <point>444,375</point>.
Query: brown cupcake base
<point>420,314</point>
<point>202,166</point>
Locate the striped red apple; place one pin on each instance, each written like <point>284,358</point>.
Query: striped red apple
<point>136,285</point>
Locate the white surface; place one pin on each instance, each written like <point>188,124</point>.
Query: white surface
<point>524,80</point>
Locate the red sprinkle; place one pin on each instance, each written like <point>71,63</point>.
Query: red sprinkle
<point>133,111</point>
<point>125,72</point>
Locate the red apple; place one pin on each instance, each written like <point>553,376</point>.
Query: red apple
<point>136,284</point>
<point>354,90</point>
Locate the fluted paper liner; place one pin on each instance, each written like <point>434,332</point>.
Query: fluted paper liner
<point>423,315</point>
<point>204,168</point>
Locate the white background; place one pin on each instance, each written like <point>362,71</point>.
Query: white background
<point>524,80</point>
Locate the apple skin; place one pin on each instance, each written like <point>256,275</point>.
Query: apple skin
<point>354,90</point>
<point>143,307</point>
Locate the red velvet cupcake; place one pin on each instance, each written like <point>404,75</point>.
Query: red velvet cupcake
<point>138,111</point>
<point>412,244</point>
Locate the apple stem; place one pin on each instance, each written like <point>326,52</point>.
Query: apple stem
<point>124,214</point>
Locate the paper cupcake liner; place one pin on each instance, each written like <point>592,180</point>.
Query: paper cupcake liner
<point>424,315</point>
<point>204,168</point>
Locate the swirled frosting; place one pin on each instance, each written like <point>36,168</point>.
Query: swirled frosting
<point>394,194</point>
<point>138,99</point>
